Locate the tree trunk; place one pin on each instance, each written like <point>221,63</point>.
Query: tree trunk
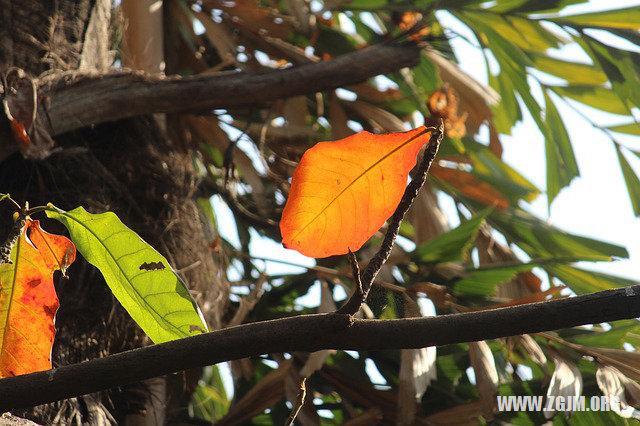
<point>131,167</point>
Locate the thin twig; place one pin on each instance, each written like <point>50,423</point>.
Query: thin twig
<point>228,164</point>
<point>355,270</point>
<point>208,187</point>
<point>302,393</point>
<point>11,200</point>
<point>373,268</point>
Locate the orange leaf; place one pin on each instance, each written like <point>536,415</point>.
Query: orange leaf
<point>28,301</point>
<point>470,186</point>
<point>342,192</point>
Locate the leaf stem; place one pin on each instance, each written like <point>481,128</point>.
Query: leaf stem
<point>8,198</point>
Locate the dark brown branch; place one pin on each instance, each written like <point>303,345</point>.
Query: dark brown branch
<point>313,333</point>
<point>371,271</point>
<point>91,100</point>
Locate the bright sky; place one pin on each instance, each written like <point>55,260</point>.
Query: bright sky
<point>596,204</point>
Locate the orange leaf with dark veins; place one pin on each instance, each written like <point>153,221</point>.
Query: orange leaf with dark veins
<point>342,192</point>
<point>28,301</point>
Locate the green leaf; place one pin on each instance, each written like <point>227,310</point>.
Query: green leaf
<point>522,32</point>
<point>482,281</point>
<point>573,72</point>
<point>486,28</point>
<point>631,180</point>
<point>630,129</point>
<point>417,84</point>
<point>209,401</point>
<point>561,162</point>
<point>582,281</point>
<point>452,245</point>
<point>513,61</point>
<point>507,112</point>
<point>208,404</point>
<point>491,169</point>
<point>425,76</point>
<point>614,338</point>
<point>528,6</point>
<point>139,277</point>
<point>539,239</point>
<point>619,65</point>
<point>628,18</point>
<point>594,96</point>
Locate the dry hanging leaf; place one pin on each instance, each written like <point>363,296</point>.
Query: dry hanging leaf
<point>484,366</point>
<point>28,301</point>
<point>316,359</point>
<point>613,384</point>
<point>565,382</point>
<point>426,217</point>
<point>438,294</point>
<point>220,38</point>
<point>208,128</point>
<point>417,370</point>
<point>338,118</point>
<point>443,105</point>
<point>343,191</point>
<point>475,98</point>
<point>369,93</point>
<point>626,361</point>
<point>534,350</point>
<point>470,186</point>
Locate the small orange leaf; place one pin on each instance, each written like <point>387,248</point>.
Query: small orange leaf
<point>28,301</point>
<point>342,192</point>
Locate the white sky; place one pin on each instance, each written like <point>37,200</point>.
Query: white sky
<point>596,204</point>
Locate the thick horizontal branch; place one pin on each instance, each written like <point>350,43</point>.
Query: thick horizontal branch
<point>312,333</point>
<point>89,100</point>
